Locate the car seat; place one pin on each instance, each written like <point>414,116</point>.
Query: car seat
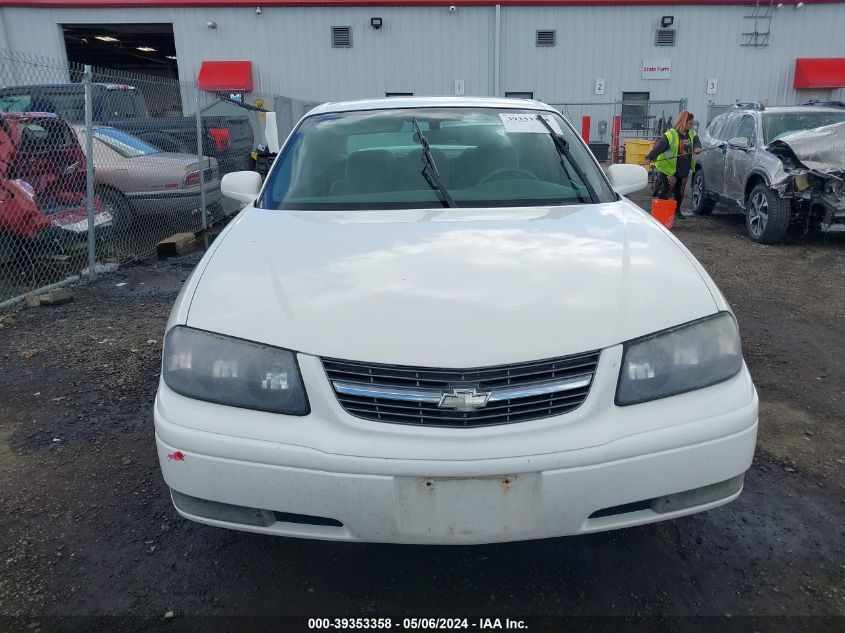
<point>367,171</point>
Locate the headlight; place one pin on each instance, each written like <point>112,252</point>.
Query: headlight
<point>687,357</point>
<point>230,371</point>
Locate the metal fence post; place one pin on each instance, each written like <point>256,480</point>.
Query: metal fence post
<point>89,169</point>
<point>199,159</point>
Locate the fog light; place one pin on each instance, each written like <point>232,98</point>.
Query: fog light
<point>221,511</point>
<point>698,496</point>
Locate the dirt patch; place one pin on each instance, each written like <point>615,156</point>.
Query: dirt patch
<point>88,528</point>
<point>790,303</point>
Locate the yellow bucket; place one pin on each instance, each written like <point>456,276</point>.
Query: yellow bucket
<point>636,150</point>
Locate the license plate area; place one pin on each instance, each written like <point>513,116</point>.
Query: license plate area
<point>435,506</point>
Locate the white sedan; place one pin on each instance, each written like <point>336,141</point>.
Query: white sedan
<point>438,321</point>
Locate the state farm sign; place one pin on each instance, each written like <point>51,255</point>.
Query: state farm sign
<point>657,68</point>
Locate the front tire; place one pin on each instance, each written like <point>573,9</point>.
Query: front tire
<point>702,203</point>
<point>123,217</point>
<point>767,215</point>
<point>216,213</point>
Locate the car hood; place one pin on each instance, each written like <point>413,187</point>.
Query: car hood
<point>451,287</point>
<point>821,149</point>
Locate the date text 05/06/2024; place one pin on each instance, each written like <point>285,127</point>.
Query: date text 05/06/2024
<point>413,624</point>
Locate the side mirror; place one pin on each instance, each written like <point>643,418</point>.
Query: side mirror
<point>242,186</point>
<point>740,142</point>
<point>627,179</point>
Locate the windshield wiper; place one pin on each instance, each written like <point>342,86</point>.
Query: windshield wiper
<point>430,168</point>
<point>563,151</point>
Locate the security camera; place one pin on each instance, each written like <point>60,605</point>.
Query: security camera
<point>211,24</point>
<point>257,10</point>
<point>452,8</point>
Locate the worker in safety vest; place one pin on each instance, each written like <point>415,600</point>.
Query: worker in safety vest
<point>674,157</point>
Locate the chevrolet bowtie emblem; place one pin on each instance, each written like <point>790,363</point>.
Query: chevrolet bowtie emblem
<point>464,399</point>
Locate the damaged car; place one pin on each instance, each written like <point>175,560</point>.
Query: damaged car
<point>43,211</point>
<point>783,167</point>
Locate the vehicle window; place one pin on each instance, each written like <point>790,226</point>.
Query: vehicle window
<point>117,104</point>
<point>374,160</point>
<point>15,103</point>
<point>716,126</point>
<point>747,128</point>
<point>44,135</point>
<point>728,131</point>
<point>777,125</point>
<point>68,106</point>
<point>125,144</point>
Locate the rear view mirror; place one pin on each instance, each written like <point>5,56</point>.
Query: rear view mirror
<point>740,142</point>
<point>242,186</point>
<point>627,179</point>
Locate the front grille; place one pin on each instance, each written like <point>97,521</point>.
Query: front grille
<point>521,409</point>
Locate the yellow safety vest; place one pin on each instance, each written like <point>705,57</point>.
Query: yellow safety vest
<point>667,162</point>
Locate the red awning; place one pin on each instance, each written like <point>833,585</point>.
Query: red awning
<point>820,72</point>
<point>219,75</point>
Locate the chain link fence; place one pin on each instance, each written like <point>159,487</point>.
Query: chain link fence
<point>97,166</point>
<point>715,109</point>
<point>595,122</point>
<point>606,126</point>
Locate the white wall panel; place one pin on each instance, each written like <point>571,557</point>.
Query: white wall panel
<point>424,49</point>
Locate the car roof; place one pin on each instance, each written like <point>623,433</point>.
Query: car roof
<point>22,116</point>
<point>803,109</point>
<point>430,102</point>
<point>66,87</point>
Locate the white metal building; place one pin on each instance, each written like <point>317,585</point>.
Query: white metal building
<point>558,51</point>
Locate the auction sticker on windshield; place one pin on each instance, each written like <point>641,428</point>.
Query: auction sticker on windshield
<point>528,123</point>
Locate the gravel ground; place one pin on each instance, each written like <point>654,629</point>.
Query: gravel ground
<point>87,528</point>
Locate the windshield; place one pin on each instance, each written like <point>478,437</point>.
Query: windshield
<point>124,144</point>
<point>485,157</point>
<point>15,103</point>
<point>776,126</point>
<point>44,135</point>
<point>69,106</point>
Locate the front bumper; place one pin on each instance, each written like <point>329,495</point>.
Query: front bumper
<point>174,201</point>
<point>331,476</point>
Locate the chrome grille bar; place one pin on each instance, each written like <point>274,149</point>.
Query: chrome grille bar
<point>387,393</point>
<point>541,389</point>
<point>432,395</point>
<point>426,396</point>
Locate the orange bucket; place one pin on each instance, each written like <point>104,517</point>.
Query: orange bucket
<point>664,211</point>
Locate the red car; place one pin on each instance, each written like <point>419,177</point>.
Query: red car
<point>42,187</point>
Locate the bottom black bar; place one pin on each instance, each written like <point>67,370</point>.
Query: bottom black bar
<point>481,624</point>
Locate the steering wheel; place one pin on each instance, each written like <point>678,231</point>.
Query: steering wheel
<point>504,172</point>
